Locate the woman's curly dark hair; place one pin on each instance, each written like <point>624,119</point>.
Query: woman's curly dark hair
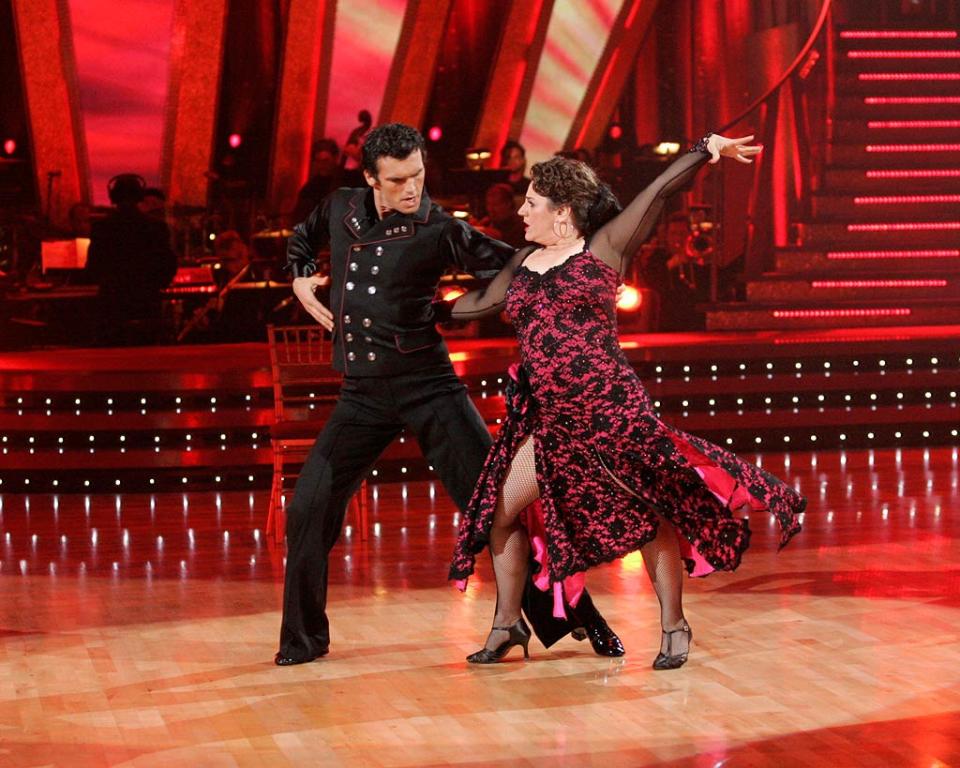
<point>570,182</point>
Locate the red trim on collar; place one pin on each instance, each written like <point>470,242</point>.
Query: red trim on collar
<point>350,212</point>
<point>426,205</point>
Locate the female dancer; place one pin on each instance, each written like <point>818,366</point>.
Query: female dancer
<point>581,433</point>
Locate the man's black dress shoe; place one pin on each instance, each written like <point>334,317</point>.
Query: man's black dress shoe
<point>603,639</point>
<point>286,661</point>
<point>593,626</point>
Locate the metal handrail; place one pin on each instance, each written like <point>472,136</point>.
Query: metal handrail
<point>760,225</point>
<point>800,58</point>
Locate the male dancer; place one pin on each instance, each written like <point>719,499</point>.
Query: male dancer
<point>389,245</point>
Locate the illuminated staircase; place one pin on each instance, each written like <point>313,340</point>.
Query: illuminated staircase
<point>882,247</point>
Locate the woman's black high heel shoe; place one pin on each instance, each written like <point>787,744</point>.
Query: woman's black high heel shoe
<point>519,635</point>
<point>667,659</point>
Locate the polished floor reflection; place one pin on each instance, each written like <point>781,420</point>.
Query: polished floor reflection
<point>139,630</point>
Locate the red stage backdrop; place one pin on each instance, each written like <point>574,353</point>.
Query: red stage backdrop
<point>364,45</point>
<point>122,53</point>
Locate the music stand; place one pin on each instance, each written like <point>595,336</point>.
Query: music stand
<point>64,254</point>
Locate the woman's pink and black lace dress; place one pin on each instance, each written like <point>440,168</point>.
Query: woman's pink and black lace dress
<point>606,464</point>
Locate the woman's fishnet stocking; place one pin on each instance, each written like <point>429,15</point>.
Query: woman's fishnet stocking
<point>509,543</point>
<point>661,556</point>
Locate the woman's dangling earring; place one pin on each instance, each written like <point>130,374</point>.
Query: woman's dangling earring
<point>561,228</point>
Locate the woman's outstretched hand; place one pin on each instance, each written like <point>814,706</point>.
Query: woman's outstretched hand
<point>739,149</point>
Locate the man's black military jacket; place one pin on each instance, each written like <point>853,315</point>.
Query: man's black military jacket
<point>384,276</point>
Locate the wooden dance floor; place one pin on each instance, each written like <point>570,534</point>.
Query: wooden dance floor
<point>140,630</point>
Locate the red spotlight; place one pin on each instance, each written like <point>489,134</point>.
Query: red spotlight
<point>435,133</point>
<point>235,140</point>
<point>630,300</point>
<point>9,146</point>
<point>615,132</point>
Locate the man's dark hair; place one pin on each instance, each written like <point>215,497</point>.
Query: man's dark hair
<point>126,189</point>
<point>391,140</point>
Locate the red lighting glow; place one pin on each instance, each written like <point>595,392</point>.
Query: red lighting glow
<point>451,293</point>
<point>905,199</point>
<point>913,147</point>
<point>903,54</point>
<point>837,339</point>
<point>866,312</point>
<point>435,133</point>
<point>933,283</point>
<point>851,255</point>
<point>9,146</point>
<point>906,226</point>
<point>235,140</point>
<point>615,131</point>
<point>931,173</point>
<point>876,76</point>
<point>892,34</point>
<point>913,124</point>
<point>191,289</point>
<point>881,100</point>
<point>630,299</point>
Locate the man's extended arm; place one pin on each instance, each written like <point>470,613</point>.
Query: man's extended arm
<point>307,238</point>
<point>472,251</point>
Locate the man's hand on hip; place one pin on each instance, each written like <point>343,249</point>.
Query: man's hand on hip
<point>303,289</point>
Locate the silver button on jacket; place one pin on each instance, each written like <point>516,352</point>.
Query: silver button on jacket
<point>384,275</point>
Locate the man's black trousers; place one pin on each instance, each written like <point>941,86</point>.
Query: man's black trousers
<point>434,407</point>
